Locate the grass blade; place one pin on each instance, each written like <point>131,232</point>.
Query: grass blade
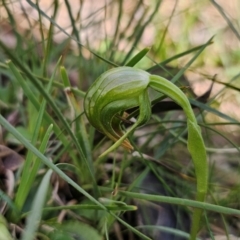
<point>34,217</point>
<point>132,62</point>
<point>182,202</point>
<point>220,9</point>
<point>178,56</point>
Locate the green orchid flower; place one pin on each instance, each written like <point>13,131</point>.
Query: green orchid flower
<point>109,97</point>
<point>123,88</point>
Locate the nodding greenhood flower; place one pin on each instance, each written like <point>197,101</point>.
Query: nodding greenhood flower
<point>123,88</point>
<point>111,94</point>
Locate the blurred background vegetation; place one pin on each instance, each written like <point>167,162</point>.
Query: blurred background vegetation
<point>91,37</point>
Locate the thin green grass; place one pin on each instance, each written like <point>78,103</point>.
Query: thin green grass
<point>34,218</point>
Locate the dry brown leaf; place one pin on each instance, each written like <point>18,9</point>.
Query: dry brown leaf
<point>10,159</point>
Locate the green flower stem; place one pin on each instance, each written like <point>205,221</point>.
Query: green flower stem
<point>195,143</point>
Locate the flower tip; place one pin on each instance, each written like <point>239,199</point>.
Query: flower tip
<point>127,145</point>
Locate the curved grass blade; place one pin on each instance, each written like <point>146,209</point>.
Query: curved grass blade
<point>115,208</point>
<point>31,167</point>
<point>34,218</point>
<point>173,231</point>
<point>180,73</point>
<point>221,11</point>
<point>182,202</point>
<point>178,56</point>
<point>212,110</point>
<point>132,62</point>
